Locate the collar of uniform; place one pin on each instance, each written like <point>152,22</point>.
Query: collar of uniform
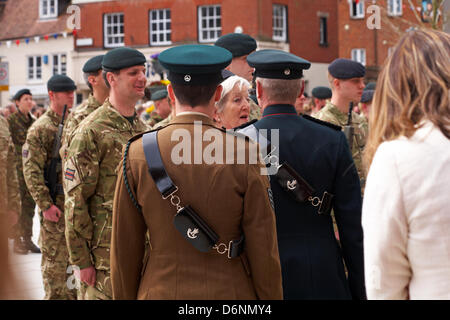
<point>340,116</point>
<point>191,116</point>
<point>279,109</point>
<point>117,120</point>
<point>56,118</point>
<point>93,102</point>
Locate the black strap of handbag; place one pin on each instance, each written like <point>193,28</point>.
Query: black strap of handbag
<point>185,214</point>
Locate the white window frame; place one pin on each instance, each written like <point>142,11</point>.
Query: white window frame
<point>359,55</point>
<point>113,36</point>
<point>34,73</point>
<point>279,30</point>
<point>61,67</point>
<point>359,10</point>
<point>164,17</point>
<point>395,7</point>
<point>45,7</point>
<point>214,29</point>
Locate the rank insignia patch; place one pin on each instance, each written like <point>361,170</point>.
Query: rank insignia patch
<point>69,174</point>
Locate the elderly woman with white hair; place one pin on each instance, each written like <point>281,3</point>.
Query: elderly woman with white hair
<point>233,108</point>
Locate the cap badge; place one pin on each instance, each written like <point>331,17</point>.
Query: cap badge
<point>287,72</point>
<point>187,78</point>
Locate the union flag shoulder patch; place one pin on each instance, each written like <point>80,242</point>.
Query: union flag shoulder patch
<point>69,174</point>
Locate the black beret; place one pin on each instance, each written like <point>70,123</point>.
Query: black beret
<point>346,69</point>
<point>20,93</point>
<point>238,44</point>
<point>160,94</point>
<point>60,83</point>
<point>121,58</point>
<point>93,64</point>
<point>195,64</point>
<point>370,86</point>
<point>321,92</point>
<point>367,96</point>
<point>277,64</point>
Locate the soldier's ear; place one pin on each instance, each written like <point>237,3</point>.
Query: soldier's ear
<point>302,87</point>
<point>171,92</point>
<point>218,93</point>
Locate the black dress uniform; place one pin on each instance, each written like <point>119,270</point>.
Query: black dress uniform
<point>311,259</point>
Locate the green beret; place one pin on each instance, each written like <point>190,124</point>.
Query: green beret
<point>195,64</point>
<point>121,58</point>
<point>321,92</point>
<point>93,64</point>
<point>346,69</point>
<point>160,94</point>
<point>20,93</point>
<point>370,86</point>
<point>277,64</point>
<point>60,83</point>
<point>367,96</point>
<point>238,44</point>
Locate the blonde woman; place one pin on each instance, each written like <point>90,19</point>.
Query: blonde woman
<point>406,209</point>
<point>233,108</point>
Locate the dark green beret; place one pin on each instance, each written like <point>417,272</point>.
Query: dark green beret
<point>195,64</point>
<point>277,64</point>
<point>321,92</point>
<point>346,69</point>
<point>20,93</point>
<point>123,57</point>
<point>93,64</point>
<point>226,74</point>
<point>60,83</point>
<point>160,94</point>
<point>367,96</point>
<point>370,86</point>
<point>238,44</point>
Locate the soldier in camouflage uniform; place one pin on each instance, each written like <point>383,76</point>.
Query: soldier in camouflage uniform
<point>19,122</point>
<point>346,79</point>
<point>99,92</point>
<point>37,155</point>
<point>241,45</point>
<point>90,169</point>
<point>163,107</point>
<point>9,189</point>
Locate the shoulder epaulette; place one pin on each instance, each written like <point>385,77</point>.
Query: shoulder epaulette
<point>244,125</point>
<point>324,123</point>
<point>139,135</point>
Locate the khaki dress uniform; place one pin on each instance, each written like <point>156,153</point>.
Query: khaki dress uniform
<point>233,199</point>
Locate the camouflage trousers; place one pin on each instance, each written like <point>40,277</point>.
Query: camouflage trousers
<point>55,261</point>
<point>24,226</point>
<point>102,289</point>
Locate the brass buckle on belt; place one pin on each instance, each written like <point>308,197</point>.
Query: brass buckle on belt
<point>222,248</point>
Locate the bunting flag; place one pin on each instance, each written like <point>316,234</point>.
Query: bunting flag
<point>27,40</point>
<point>46,37</point>
<point>64,34</point>
<point>38,38</point>
<point>55,36</point>
<point>18,41</point>
<point>74,32</point>
<point>8,43</point>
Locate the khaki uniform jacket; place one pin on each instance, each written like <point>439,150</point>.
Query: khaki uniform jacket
<point>232,199</point>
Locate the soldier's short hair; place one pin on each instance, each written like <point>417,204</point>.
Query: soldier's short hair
<point>281,89</point>
<point>104,72</point>
<point>86,76</point>
<point>194,95</point>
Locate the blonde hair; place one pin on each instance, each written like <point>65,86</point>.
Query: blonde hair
<point>413,86</point>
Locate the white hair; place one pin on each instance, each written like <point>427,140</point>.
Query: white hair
<point>227,86</point>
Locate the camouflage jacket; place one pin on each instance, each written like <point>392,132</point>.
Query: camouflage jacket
<point>18,127</point>
<point>331,113</point>
<point>162,123</point>
<point>36,156</point>
<point>9,185</point>
<point>90,173</point>
<point>76,116</point>
<point>255,111</point>
<point>153,119</point>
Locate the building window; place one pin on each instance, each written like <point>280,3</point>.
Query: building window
<point>34,68</point>
<point>60,63</point>
<point>395,7</point>
<point>160,27</point>
<point>359,55</point>
<point>209,23</point>
<point>48,9</point>
<point>323,31</point>
<point>279,22</point>
<point>113,30</point>
<point>357,9</point>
